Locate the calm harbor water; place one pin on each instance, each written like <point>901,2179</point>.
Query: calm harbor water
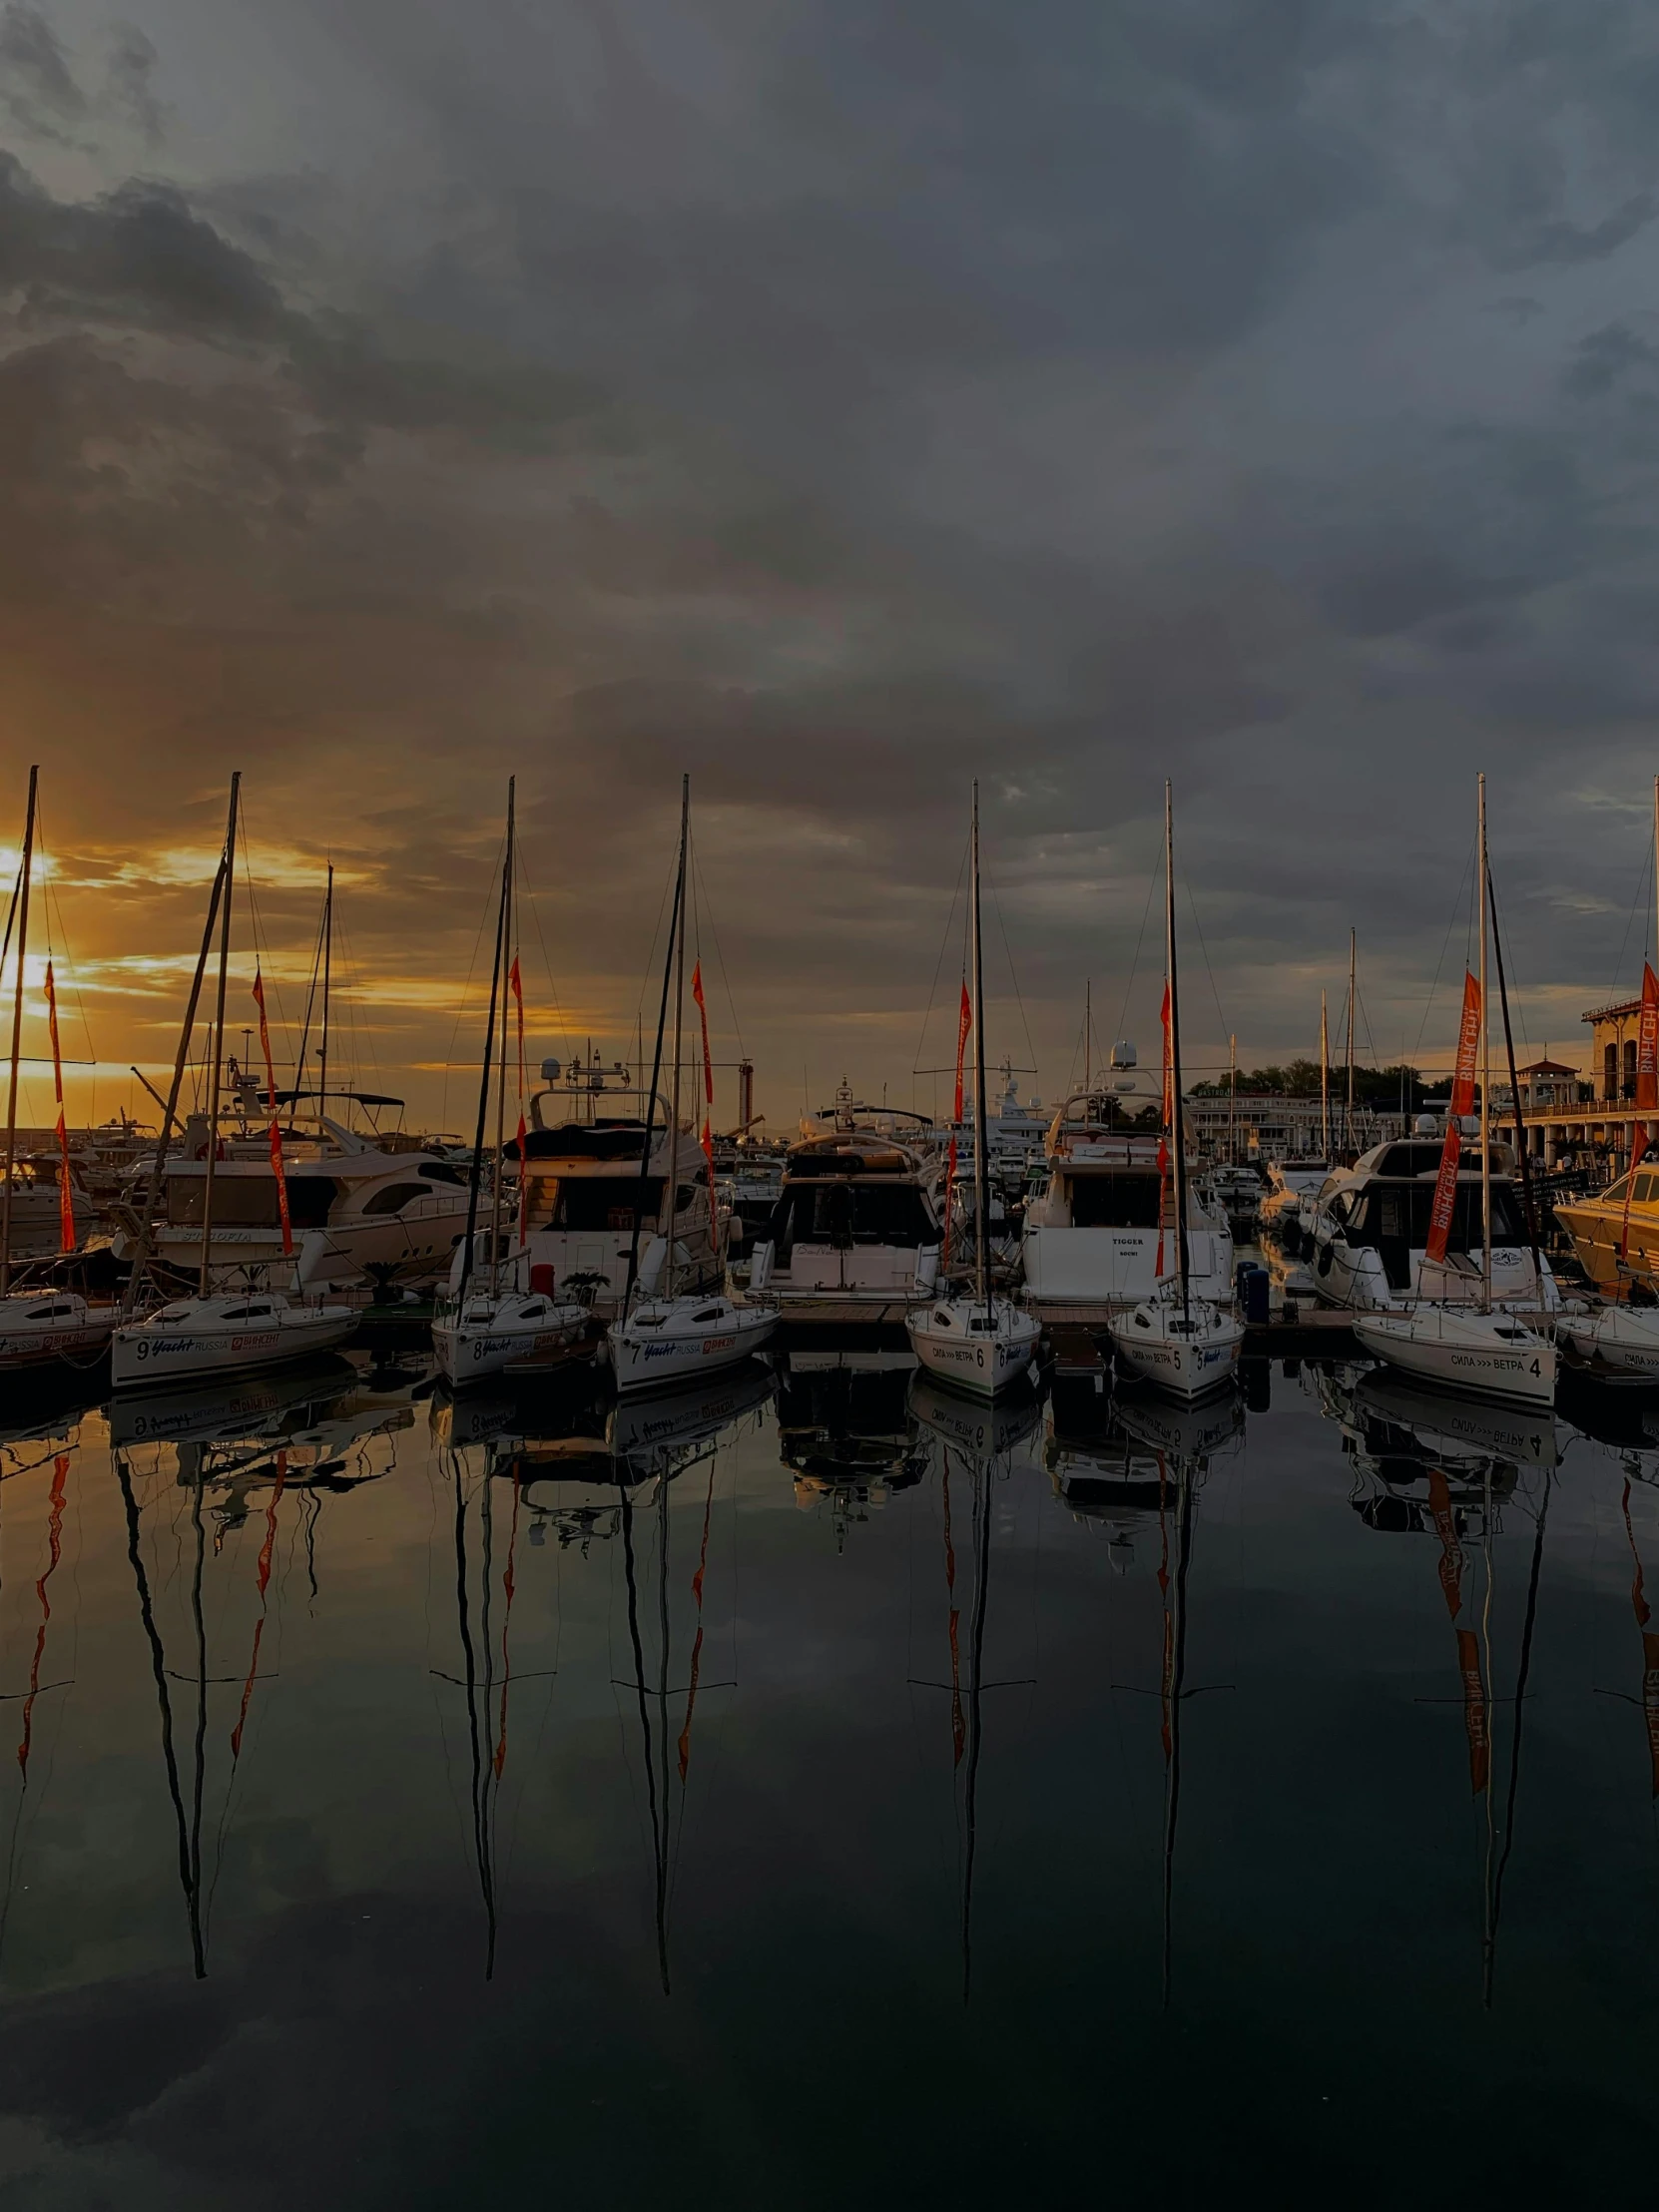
<point>817,1793</point>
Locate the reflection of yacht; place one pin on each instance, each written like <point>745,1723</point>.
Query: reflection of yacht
<point>1292,1187</point>
<point>257,1405</point>
<point>1093,1228</point>
<point>855,1230</point>
<point>1371,1230</point>
<point>983,1430</point>
<point>843,1430</point>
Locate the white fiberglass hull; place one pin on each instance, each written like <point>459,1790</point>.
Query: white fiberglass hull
<point>951,1350</point>
<point>674,1340</point>
<point>491,1341</point>
<point>146,1355</point>
<point>1187,1354</point>
<point>78,1342</point>
<point>1109,1270</point>
<point>1490,1352</point>
<point>1621,1344</point>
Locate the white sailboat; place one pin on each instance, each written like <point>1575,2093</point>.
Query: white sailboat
<point>982,1343</point>
<point>1469,1348</point>
<point>218,1332</point>
<point>676,1337</point>
<point>1186,1344</point>
<point>496,1319</point>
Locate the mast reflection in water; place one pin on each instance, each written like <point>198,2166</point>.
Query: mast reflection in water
<point>565,1786</point>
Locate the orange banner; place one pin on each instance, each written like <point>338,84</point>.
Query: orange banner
<point>277,1167</point>
<point>66,1192</point>
<point>1474,1709</point>
<point>1462,1102</point>
<point>1168,1129</point>
<point>964,1022</point>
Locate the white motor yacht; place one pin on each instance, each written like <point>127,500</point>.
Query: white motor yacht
<point>1291,1185</point>
<point>1093,1226</point>
<point>224,1333</point>
<point>1371,1235</point>
<point>353,1204</point>
<point>857,1232</point>
<point>40,1329</point>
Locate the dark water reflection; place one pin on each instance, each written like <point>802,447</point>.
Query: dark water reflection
<point>824,1793</point>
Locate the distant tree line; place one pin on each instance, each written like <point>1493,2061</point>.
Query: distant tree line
<point>1384,1089</point>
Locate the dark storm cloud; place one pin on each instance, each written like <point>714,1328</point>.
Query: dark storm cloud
<point>843,401</point>
<point>36,85</point>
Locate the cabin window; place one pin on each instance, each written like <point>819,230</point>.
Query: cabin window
<point>1614,1194</point>
<point>1115,1201</point>
<point>393,1198</point>
<point>440,1171</point>
<point>1611,1072</point>
<point>709,1312</point>
<point>1644,1190</point>
<point>844,1214</point>
<point>1629,1068</point>
<point>249,1201</point>
<point>595,1201</point>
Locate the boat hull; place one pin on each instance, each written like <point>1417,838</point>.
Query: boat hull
<point>1186,1366</point>
<point>1462,1355</point>
<point>21,1350</point>
<point>141,1356</point>
<point>468,1352</point>
<point>1107,1270</point>
<point>982,1366</point>
<point>1617,1345</point>
<point>655,1361</point>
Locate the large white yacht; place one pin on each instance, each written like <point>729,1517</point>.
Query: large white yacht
<point>1092,1229</point>
<point>353,1204</point>
<point>856,1231</point>
<point>1370,1232</point>
<point>583,1183</point>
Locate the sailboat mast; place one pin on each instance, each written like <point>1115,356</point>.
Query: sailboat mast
<point>1325,1082</point>
<point>1353,977</point>
<point>327,980</point>
<point>671,1188</point>
<point>981,1147</point>
<point>1088,1023</point>
<point>1233,1100</point>
<point>1177,1116</point>
<point>649,1114</point>
<point>204,1278</point>
<point>469,1252</point>
<point>1486,1083</point>
<point>502,1071</point>
<point>17,1035</point>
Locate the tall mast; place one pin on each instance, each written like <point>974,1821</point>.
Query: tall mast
<point>1353,973</point>
<point>327,977</point>
<point>649,1115</point>
<point>1233,1099</point>
<point>474,1179</point>
<point>17,1036</point>
<point>671,1203</point>
<point>1485,1084</point>
<point>981,1147</point>
<point>501,1072</point>
<point>1088,1015</point>
<point>1177,1117</point>
<point>203,1280</point>
<point>1325,1082</point>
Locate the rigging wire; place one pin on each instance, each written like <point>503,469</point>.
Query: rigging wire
<point>1439,965</point>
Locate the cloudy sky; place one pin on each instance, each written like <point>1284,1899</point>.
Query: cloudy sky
<point>836,403</point>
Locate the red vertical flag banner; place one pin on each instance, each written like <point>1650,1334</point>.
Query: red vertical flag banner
<point>1647,1088</point>
<point>515,984</point>
<point>964,1022</point>
<point>1168,1128</point>
<point>1462,1102</point>
<point>65,1193</point>
<point>276,1167</point>
<point>708,1138</point>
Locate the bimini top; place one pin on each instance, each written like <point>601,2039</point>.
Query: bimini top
<point>1420,1156</point>
<point>850,1155</point>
